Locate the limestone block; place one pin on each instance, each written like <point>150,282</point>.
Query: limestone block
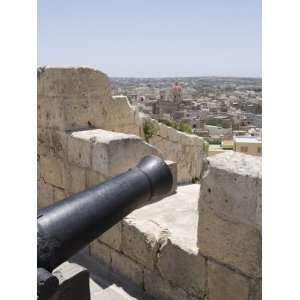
<point>75,179</point>
<point>234,244</point>
<point>93,178</point>
<point>101,252</point>
<point>173,135</point>
<point>44,194</point>
<point>161,289</point>
<point>44,149</point>
<point>140,241</point>
<point>51,142</point>
<point>173,168</point>
<point>256,290</point>
<point>80,98</point>
<point>50,112</point>
<point>188,139</point>
<point>163,130</point>
<point>224,284</point>
<point>231,186</point>
<point>79,149</point>
<point>52,170</point>
<point>114,153</point>
<point>113,236</point>
<point>183,268</point>
<point>59,142</point>
<point>59,194</point>
<point>79,113</point>
<point>127,267</point>
<point>72,81</point>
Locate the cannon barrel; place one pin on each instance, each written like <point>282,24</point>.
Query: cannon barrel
<point>69,225</point>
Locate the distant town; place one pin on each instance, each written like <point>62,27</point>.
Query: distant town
<point>226,112</point>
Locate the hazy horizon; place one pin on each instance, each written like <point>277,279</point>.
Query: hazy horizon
<point>143,39</point>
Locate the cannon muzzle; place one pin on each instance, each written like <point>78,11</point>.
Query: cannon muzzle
<point>67,226</point>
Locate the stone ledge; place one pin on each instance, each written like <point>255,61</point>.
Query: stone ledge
<point>106,152</point>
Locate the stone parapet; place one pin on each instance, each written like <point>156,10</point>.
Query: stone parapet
<point>229,225</point>
<point>183,148</point>
<point>72,98</point>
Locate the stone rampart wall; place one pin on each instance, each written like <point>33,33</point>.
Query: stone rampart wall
<point>185,149</point>
<point>72,155</point>
<point>80,98</point>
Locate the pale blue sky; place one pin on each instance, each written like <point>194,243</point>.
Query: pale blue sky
<point>153,38</point>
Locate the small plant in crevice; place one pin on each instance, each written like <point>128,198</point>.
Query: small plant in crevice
<point>150,129</point>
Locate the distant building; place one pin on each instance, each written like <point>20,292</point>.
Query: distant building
<point>176,93</point>
<point>248,145</point>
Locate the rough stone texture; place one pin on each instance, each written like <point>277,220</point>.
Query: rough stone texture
<point>101,252</point>
<point>71,98</point>
<point>79,149</point>
<point>256,290</point>
<point>52,170</point>
<point>59,194</point>
<point>235,244</point>
<point>127,267</point>
<point>45,192</point>
<point>93,178</point>
<point>162,289</point>
<point>114,153</point>
<point>184,149</point>
<point>183,269</point>
<point>75,179</point>
<point>140,241</point>
<point>230,197</point>
<point>223,284</point>
<point>113,237</point>
<point>173,168</point>
<point>231,186</point>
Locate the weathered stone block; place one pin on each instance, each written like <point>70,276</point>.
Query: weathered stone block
<point>140,241</point>
<point>163,130</point>
<point>224,284</point>
<point>59,194</point>
<point>182,268</point>
<point>44,194</point>
<point>113,236</point>
<point>231,186</point>
<point>75,179</point>
<point>114,153</point>
<point>127,267</point>
<point>161,289</point>
<point>93,178</point>
<point>80,98</point>
<point>229,229</point>
<point>50,113</point>
<point>51,142</point>
<point>234,244</point>
<point>173,168</point>
<point>101,252</point>
<point>52,170</point>
<point>72,81</point>
<point>173,135</point>
<point>79,149</point>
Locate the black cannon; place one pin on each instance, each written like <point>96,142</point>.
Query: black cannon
<point>66,227</point>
